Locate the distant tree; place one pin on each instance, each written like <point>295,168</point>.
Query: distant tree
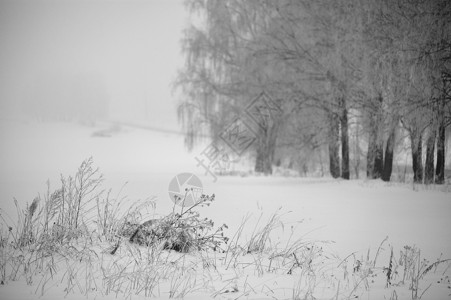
<point>408,41</point>
<point>380,59</point>
<point>317,42</point>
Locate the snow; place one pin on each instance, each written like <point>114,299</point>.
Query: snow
<point>352,216</point>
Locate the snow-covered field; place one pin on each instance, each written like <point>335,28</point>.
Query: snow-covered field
<point>345,219</point>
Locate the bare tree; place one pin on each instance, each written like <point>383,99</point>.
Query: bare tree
<point>379,58</point>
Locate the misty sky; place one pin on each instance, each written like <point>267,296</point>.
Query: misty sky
<point>131,48</point>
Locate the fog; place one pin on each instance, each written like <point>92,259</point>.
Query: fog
<point>83,60</point>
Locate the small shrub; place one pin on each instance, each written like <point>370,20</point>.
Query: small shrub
<point>182,231</point>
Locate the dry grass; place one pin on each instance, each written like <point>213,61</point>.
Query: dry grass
<point>78,238</point>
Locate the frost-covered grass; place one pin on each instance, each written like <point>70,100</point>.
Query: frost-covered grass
<point>74,242</point>
<point>290,238</point>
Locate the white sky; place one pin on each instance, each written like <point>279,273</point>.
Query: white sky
<point>133,46</point>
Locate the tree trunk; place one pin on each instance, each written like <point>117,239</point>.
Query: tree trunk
<point>344,141</point>
<point>440,167</point>
<point>379,160</point>
<point>263,162</point>
<point>375,154</point>
<point>417,164</point>
<point>388,162</point>
<point>357,152</point>
<point>320,155</point>
<point>266,149</point>
<point>334,141</point>
<point>259,160</point>
<point>429,164</point>
<point>371,154</point>
<point>375,157</point>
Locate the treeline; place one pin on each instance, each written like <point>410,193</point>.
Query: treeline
<point>354,79</point>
